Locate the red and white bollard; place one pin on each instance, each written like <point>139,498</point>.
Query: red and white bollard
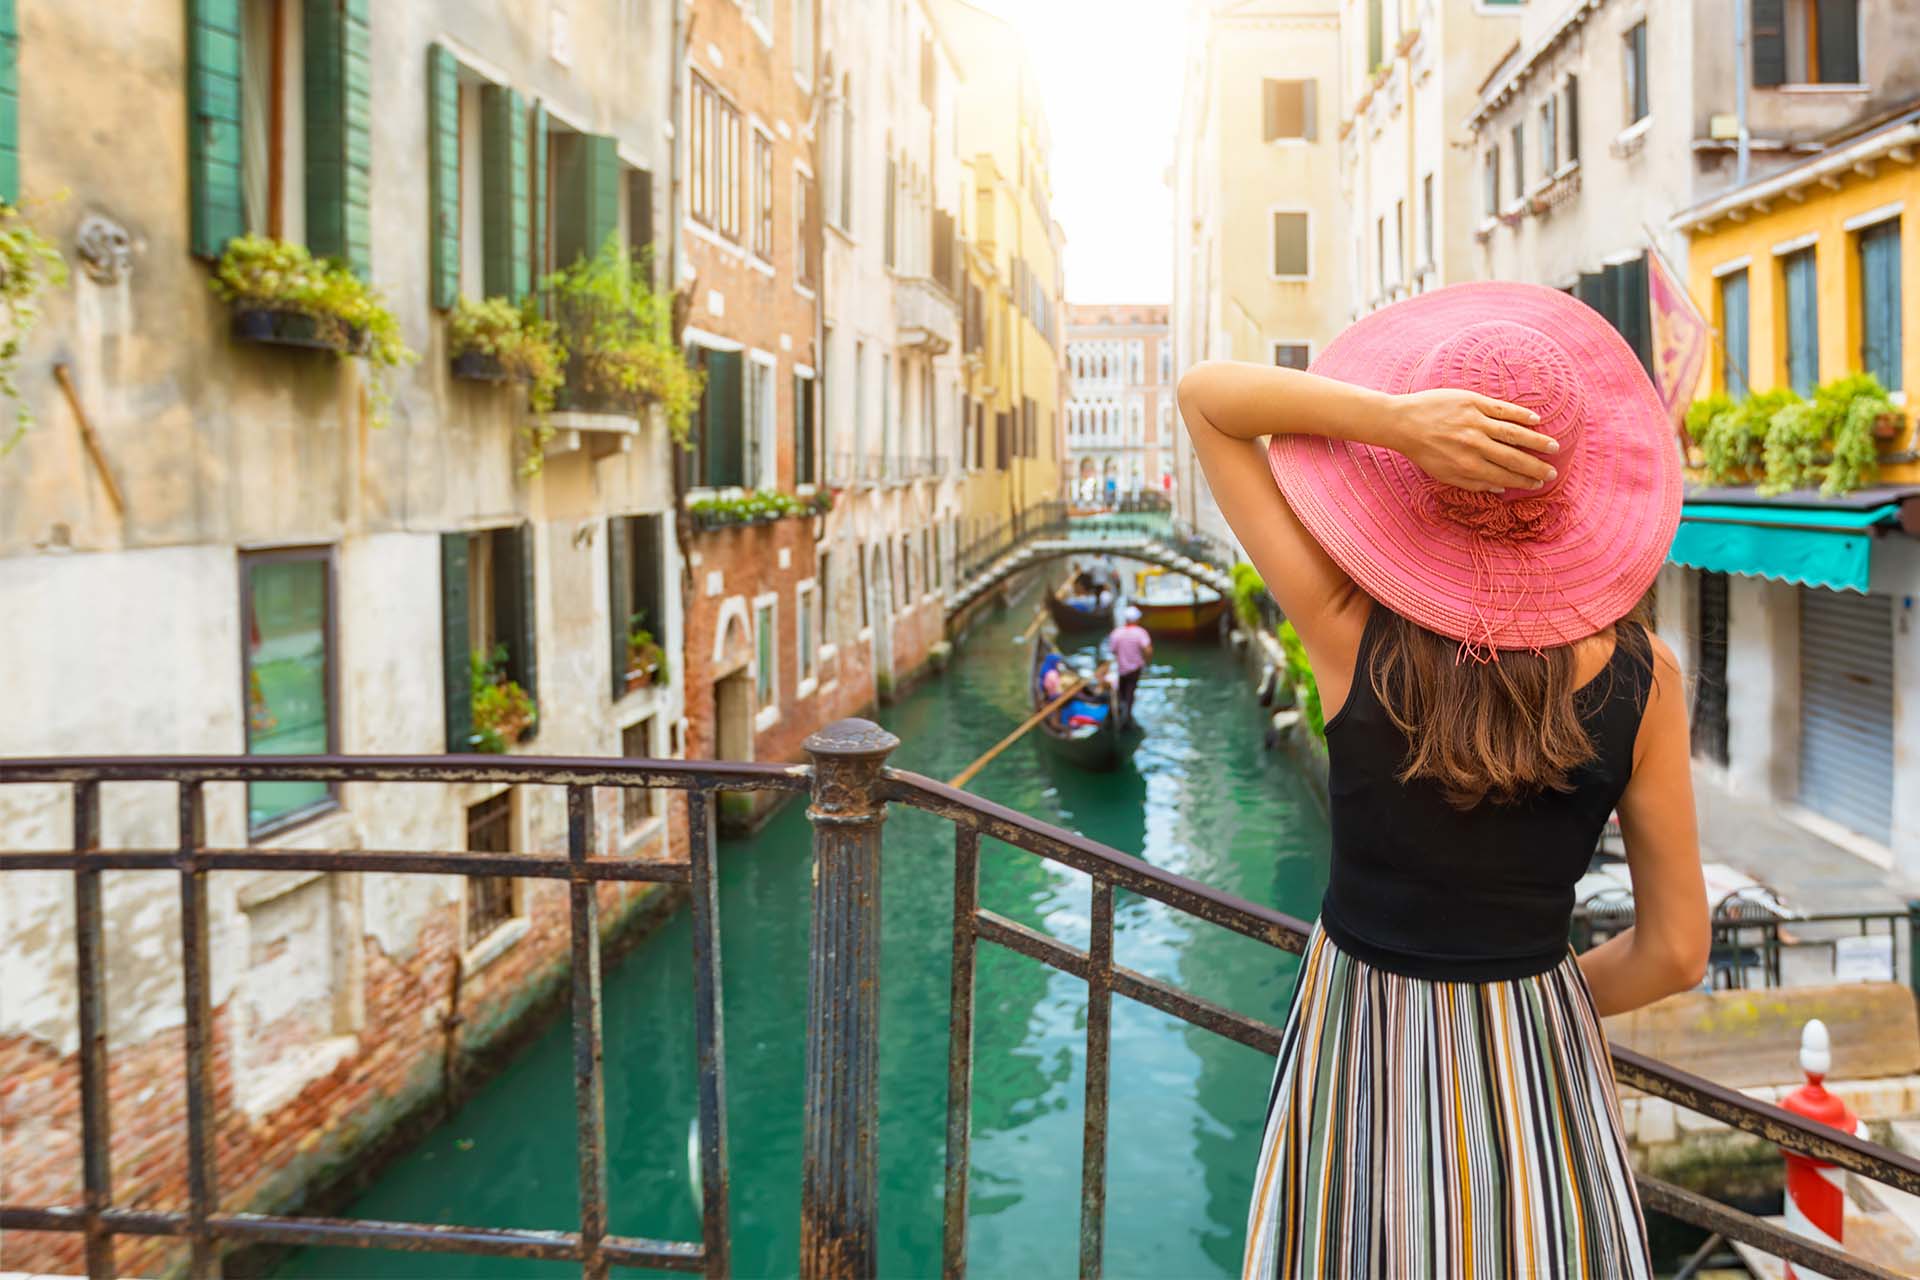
<point>1816,1200</point>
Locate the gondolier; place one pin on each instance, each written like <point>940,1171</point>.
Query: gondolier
<point>1131,646</point>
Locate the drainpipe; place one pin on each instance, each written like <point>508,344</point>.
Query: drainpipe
<point>1742,71</point>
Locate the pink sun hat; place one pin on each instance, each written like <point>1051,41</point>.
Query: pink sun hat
<point>1525,568</point>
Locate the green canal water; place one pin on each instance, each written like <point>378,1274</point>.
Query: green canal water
<point>1201,798</point>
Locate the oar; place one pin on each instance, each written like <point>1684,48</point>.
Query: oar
<point>966,775</point>
<point>1038,618</point>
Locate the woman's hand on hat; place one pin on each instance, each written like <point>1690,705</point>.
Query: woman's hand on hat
<point>1470,441</point>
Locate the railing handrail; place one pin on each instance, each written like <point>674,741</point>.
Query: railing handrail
<point>850,789</point>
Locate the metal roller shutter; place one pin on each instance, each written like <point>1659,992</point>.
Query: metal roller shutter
<point>1846,709</point>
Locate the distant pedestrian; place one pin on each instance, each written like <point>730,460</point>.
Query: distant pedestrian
<point>1131,646</point>
<point>1462,511</point>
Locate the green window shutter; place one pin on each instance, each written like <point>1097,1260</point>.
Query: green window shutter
<point>640,217</point>
<point>726,462</point>
<point>339,133</point>
<point>506,232</point>
<point>1769,43</point>
<point>456,646</point>
<point>213,125</point>
<point>1838,25</point>
<point>9,104</point>
<point>537,192</point>
<point>619,596</point>
<point>588,198</point>
<point>515,614</point>
<point>443,173</point>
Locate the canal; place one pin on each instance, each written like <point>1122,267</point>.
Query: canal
<point>1201,797</point>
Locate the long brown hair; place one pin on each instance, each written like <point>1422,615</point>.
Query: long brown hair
<point>1498,731</point>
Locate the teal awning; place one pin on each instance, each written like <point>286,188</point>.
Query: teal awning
<point>1812,546</point>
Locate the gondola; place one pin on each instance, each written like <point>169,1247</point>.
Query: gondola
<point>1174,607</point>
<point>1071,619</point>
<point>1099,746</point>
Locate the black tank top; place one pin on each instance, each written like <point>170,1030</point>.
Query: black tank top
<point>1420,888</point>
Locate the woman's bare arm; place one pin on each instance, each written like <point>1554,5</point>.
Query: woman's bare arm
<point>1457,437</point>
<point>1666,949</point>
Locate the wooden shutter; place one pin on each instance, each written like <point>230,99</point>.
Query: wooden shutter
<point>619,596</point>
<point>1769,43</point>
<point>1803,321</point>
<point>456,646</point>
<point>538,196</point>
<point>515,612</point>
<point>443,173</point>
<point>588,203</point>
<point>1838,23</point>
<point>9,104</point>
<point>640,218</point>
<point>726,462</point>
<point>339,133</point>
<point>1573,117</point>
<point>1880,294</point>
<point>1734,319</point>
<point>506,240</point>
<point>213,125</point>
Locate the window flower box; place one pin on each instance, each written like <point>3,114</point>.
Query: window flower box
<point>479,366</point>
<point>281,327</point>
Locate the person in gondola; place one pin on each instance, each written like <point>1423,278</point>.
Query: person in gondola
<point>1131,645</point>
<point>1087,706</point>
<point>1462,509</point>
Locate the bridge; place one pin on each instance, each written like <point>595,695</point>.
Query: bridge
<point>850,791</point>
<point>1153,542</point>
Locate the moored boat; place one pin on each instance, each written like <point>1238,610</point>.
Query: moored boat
<point>1078,613</point>
<point>1175,607</point>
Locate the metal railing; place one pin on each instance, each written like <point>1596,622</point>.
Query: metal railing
<point>850,792</point>
<point>1041,519</point>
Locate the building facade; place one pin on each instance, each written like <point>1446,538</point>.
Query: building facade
<point>258,546</point>
<point>1261,263</point>
<point>1800,602</point>
<point>1120,402</point>
<point>1012,319</point>
<point>1409,72</point>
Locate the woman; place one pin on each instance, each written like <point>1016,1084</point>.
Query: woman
<point>1475,488</point>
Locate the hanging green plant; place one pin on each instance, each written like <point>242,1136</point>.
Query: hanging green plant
<point>1782,443</point>
<point>29,264</point>
<point>1847,410</point>
<point>1300,676</point>
<point>494,340</point>
<point>502,710</point>
<point>280,293</point>
<point>1732,435</point>
<point>1247,590</point>
<point>762,506</point>
<point>619,335</point>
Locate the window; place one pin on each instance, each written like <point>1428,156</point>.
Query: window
<point>859,401</point>
<point>714,170</point>
<point>1549,137</point>
<point>286,598</point>
<point>1634,65</point>
<point>489,898</point>
<point>763,195</point>
<point>803,23</point>
<point>1426,221</point>
<point>1799,282</point>
<point>806,431</point>
<point>1806,42</point>
<point>489,607</point>
<point>824,597</point>
<point>886,403</point>
<point>1733,334</point>
<point>1289,109</point>
<point>1376,36</point>
<point>1289,355</point>
<point>1880,287</point>
<point>1571,96</point>
<point>1291,258</point>
<point>906,569</point>
<point>719,428</point>
<point>866,589</point>
<point>637,804</point>
<point>762,424</point>
<point>1399,241</point>
<point>805,604</point>
<point>1380,254</point>
<point>767,654</point>
<point>803,227</point>
<point>1490,181</point>
<point>273,136</point>
<point>761,12</point>
<point>938,576</point>
<point>1519,143</point>
<point>1166,354</point>
<point>636,578</point>
<point>846,155</point>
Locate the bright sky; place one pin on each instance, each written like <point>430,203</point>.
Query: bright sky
<point>1110,70</point>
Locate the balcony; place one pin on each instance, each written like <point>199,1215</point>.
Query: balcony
<point>925,315</point>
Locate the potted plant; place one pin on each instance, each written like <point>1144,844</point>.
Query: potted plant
<point>646,660</point>
<point>494,340</point>
<point>282,294</point>
<point>621,353</point>
<point>502,710</point>
<point>28,264</point>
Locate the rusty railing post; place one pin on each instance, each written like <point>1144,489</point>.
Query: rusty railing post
<point>838,1187</point>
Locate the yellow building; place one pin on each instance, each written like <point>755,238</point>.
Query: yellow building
<point>1797,607</point>
<point>1014,319</point>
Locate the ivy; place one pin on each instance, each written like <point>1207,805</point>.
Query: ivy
<point>29,264</point>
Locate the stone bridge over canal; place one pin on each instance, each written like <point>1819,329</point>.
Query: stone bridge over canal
<point>1029,554</point>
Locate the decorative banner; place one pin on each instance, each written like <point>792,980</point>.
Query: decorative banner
<point>1681,337</point>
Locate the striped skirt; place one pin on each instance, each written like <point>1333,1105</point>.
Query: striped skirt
<point>1449,1129</point>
